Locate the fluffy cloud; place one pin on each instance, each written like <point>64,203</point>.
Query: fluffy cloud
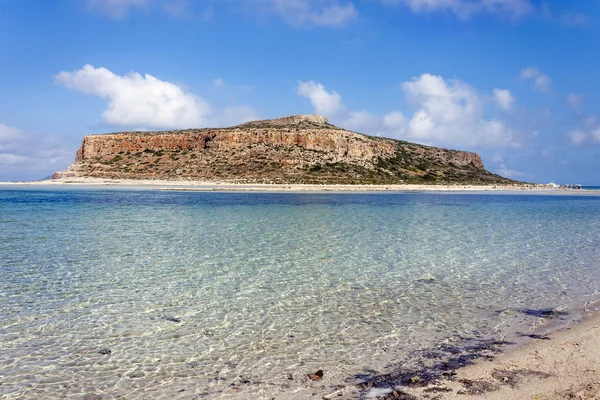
<point>329,104</point>
<point>451,112</point>
<point>503,98</point>
<point>589,132</point>
<point>540,80</point>
<point>577,136</point>
<point>447,113</point>
<point>136,100</point>
<point>466,9</point>
<point>324,102</point>
<point>31,155</point>
<point>306,13</point>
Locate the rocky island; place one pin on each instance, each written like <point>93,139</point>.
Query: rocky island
<point>300,149</point>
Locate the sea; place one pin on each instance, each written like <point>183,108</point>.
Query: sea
<point>137,293</point>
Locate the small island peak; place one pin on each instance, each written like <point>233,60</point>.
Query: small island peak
<point>312,120</point>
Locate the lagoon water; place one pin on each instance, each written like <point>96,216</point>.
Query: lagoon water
<point>151,294</point>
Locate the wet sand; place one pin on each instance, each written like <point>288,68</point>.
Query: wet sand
<point>562,365</point>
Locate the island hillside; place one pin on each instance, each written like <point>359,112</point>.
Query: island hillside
<point>297,149</point>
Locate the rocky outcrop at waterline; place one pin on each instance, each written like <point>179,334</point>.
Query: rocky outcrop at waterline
<point>296,149</point>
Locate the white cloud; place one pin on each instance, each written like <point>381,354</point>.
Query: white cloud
<point>325,103</point>
<point>297,13</point>
<point>574,19</point>
<point>590,122</point>
<point>362,121</point>
<point>590,132</point>
<point>31,155</point>
<point>307,13</point>
<point>117,8</point>
<point>395,123</point>
<point>218,82</point>
<point>503,98</point>
<point>233,116</point>
<point>329,104</point>
<point>466,9</point>
<point>577,136</point>
<point>574,101</point>
<point>497,158</point>
<point>566,17</point>
<point>451,112</point>
<point>142,100</point>
<point>182,8</point>
<point>448,113</point>
<point>508,173</point>
<point>540,80</point>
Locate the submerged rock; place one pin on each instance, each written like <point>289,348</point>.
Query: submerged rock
<point>317,376</point>
<point>427,278</point>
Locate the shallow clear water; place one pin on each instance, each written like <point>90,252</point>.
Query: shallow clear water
<point>239,295</point>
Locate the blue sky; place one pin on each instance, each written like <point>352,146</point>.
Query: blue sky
<point>514,80</point>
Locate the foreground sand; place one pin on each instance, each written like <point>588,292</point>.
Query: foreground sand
<point>226,186</point>
<point>566,365</point>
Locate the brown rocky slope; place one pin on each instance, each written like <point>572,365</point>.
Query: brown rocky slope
<point>296,149</point>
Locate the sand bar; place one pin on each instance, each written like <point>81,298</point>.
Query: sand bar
<point>191,185</point>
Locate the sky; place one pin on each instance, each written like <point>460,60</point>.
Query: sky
<point>513,80</point>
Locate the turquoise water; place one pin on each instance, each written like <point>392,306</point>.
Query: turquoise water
<point>150,294</point>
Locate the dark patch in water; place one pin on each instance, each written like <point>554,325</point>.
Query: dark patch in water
<point>432,354</point>
<point>535,336</point>
<point>448,358</point>
<point>543,312</point>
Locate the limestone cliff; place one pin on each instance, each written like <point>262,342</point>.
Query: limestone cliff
<point>296,149</point>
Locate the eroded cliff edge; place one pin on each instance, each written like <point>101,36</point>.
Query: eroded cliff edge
<point>296,149</point>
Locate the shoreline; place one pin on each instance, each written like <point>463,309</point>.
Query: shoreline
<point>561,365</point>
<point>556,360</point>
<point>222,186</point>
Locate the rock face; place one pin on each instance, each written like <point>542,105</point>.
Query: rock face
<point>296,149</point>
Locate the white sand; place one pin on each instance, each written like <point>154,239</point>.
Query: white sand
<point>227,186</point>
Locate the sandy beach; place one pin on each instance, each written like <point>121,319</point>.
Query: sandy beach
<point>191,185</point>
<point>562,365</point>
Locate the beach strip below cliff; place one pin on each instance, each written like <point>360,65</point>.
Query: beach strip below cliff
<point>192,185</point>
